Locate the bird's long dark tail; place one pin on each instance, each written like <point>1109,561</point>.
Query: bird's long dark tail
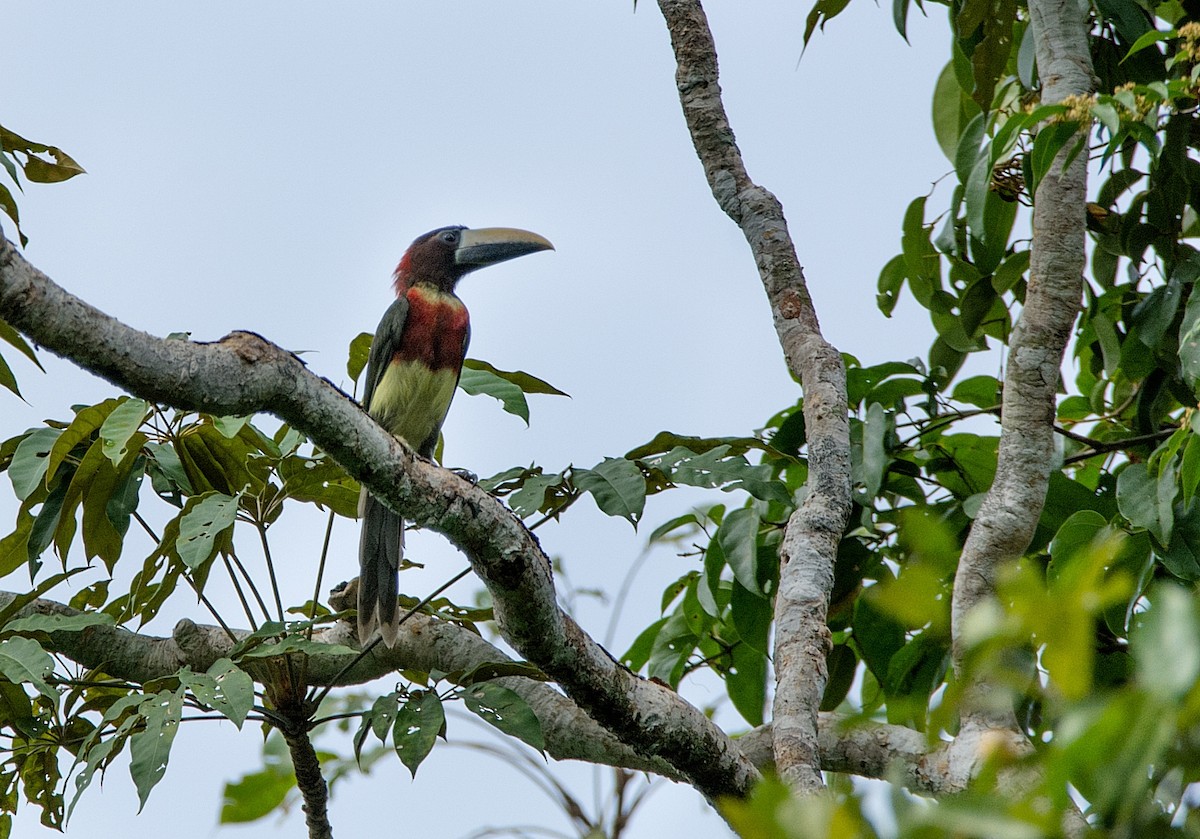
<point>380,548</point>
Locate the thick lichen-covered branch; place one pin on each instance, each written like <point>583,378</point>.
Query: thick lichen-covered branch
<point>814,530</point>
<point>244,374</point>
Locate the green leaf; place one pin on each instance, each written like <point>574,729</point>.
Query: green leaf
<point>526,382</point>
<point>417,725</point>
<point>9,205</point>
<point>1189,343</point>
<point>900,17</point>
<point>751,615</point>
<point>842,665</point>
<point>360,354</point>
<point>86,421</point>
<point>639,651</point>
<point>225,688</point>
<point>746,681</point>
<point>13,337</point>
<point>877,636</point>
<point>23,661</point>
<point>120,426</point>
<point>8,379</point>
<point>58,623</point>
<point>497,670</point>
<point>531,495</point>
<point>256,794</point>
<point>1182,556</point>
<point>1147,39</point>
<point>1148,501</point>
<point>204,518</point>
<point>822,12</point>
<point>476,382</point>
<point>1166,644</point>
<point>297,644</point>
<point>43,171</point>
<point>718,467</point>
<point>150,748</point>
<point>506,710</point>
<point>875,459</point>
<point>617,485</point>
<point>42,532</point>
<point>30,460</point>
<point>738,538</point>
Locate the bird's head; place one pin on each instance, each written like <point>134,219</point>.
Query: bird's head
<point>444,255</point>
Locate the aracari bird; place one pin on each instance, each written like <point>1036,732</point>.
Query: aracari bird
<point>413,370</point>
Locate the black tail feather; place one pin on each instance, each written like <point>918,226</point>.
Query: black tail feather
<point>380,548</point>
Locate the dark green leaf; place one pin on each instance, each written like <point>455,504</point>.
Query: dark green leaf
<point>225,688</point>
<point>746,681</point>
<point>29,463</point>
<point>738,538</point>
<point>13,337</point>
<point>506,710</point>
<point>422,717</point>
<point>476,382</point>
<point>617,485</point>
<point>205,517</point>
<point>526,382</point>
<point>360,354</point>
<point>23,661</point>
<point>150,748</point>
<point>842,666</point>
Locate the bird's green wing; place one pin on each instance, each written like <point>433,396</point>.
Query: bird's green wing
<point>384,346</point>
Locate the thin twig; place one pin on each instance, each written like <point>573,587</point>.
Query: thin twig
<point>319,698</point>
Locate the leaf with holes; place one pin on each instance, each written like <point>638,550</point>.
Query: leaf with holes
<point>506,710</point>
<point>417,726</point>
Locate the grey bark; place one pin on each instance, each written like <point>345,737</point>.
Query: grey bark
<point>811,538</point>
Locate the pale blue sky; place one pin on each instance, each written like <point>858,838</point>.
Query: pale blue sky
<point>263,166</point>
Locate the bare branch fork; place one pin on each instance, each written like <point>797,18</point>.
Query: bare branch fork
<point>810,541</point>
<point>244,374</point>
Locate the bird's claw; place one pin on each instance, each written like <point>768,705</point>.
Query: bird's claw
<point>467,475</point>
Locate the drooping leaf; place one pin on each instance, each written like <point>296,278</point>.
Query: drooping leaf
<point>738,537</point>
<point>205,517</point>
<point>360,354</point>
<point>506,710</point>
<point>31,459</point>
<point>617,485</point>
<point>119,426</point>
<point>746,681</point>
<point>150,748</point>
<point>417,724</point>
<point>11,336</point>
<point>525,381</point>
<point>23,661</point>
<point>225,688</point>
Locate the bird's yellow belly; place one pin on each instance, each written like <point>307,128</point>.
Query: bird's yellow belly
<point>411,400</point>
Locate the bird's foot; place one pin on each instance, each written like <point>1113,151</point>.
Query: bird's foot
<point>467,475</point>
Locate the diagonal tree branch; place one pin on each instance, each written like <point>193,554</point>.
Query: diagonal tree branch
<point>851,746</point>
<point>245,374</point>
<point>1006,521</point>
<point>814,530</point>
<point>425,643</point>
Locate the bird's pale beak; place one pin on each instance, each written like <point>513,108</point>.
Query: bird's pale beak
<point>488,245</point>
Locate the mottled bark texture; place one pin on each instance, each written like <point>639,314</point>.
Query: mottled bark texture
<point>810,541</point>
<point>244,374</point>
<point>1006,521</point>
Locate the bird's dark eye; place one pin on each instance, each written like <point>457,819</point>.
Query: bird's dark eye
<point>450,237</point>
